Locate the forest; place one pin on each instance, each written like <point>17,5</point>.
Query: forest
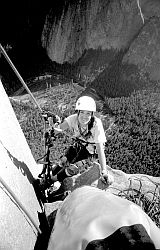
<point>132,128</point>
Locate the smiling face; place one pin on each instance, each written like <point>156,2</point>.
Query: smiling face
<point>84,117</point>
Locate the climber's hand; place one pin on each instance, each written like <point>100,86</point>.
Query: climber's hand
<point>107,178</point>
<point>57,119</point>
<point>56,126</point>
<point>54,121</point>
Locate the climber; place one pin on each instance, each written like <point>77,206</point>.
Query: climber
<point>89,131</point>
<point>92,219</point>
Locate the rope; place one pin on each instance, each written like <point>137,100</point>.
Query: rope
<point>19,76</point>
<point>45,116</point>
<point>15,198</point>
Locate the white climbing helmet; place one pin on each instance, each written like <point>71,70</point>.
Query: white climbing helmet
<point>86,103</point>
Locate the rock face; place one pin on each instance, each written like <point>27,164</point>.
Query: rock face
<point>121,180</point>
<point>139,188</point>
<point>89,219</point>
<point>113,40</point>
<point>19,205</point>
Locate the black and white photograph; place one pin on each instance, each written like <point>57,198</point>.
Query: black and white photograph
<point>80,125</point>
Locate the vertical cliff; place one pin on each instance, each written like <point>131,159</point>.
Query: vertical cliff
<point>113,40</point>
<point>19,207</point>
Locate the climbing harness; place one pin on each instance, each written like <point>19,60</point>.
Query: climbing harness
<point>49,191</point>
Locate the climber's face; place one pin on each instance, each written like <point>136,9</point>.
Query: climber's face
<point>84,117</point>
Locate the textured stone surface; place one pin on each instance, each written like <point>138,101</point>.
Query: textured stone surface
<point>91,34</point>
<point>139,188</point>
<point>19,207</point>
<point>122,181</point>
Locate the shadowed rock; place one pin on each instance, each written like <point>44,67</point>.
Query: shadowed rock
<point>122,181</point>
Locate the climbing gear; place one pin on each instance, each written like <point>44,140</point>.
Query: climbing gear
<point>86,103</point>
<point>75,153</point>
<point>48,116</point>
<point>62,175</point>
<point>78,151</point>
<point>55,169</point>
<point>49,137</point>
<point>83,103</point>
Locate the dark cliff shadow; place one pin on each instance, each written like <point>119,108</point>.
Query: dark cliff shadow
<point>20,165</point>
<point>46,226</point>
